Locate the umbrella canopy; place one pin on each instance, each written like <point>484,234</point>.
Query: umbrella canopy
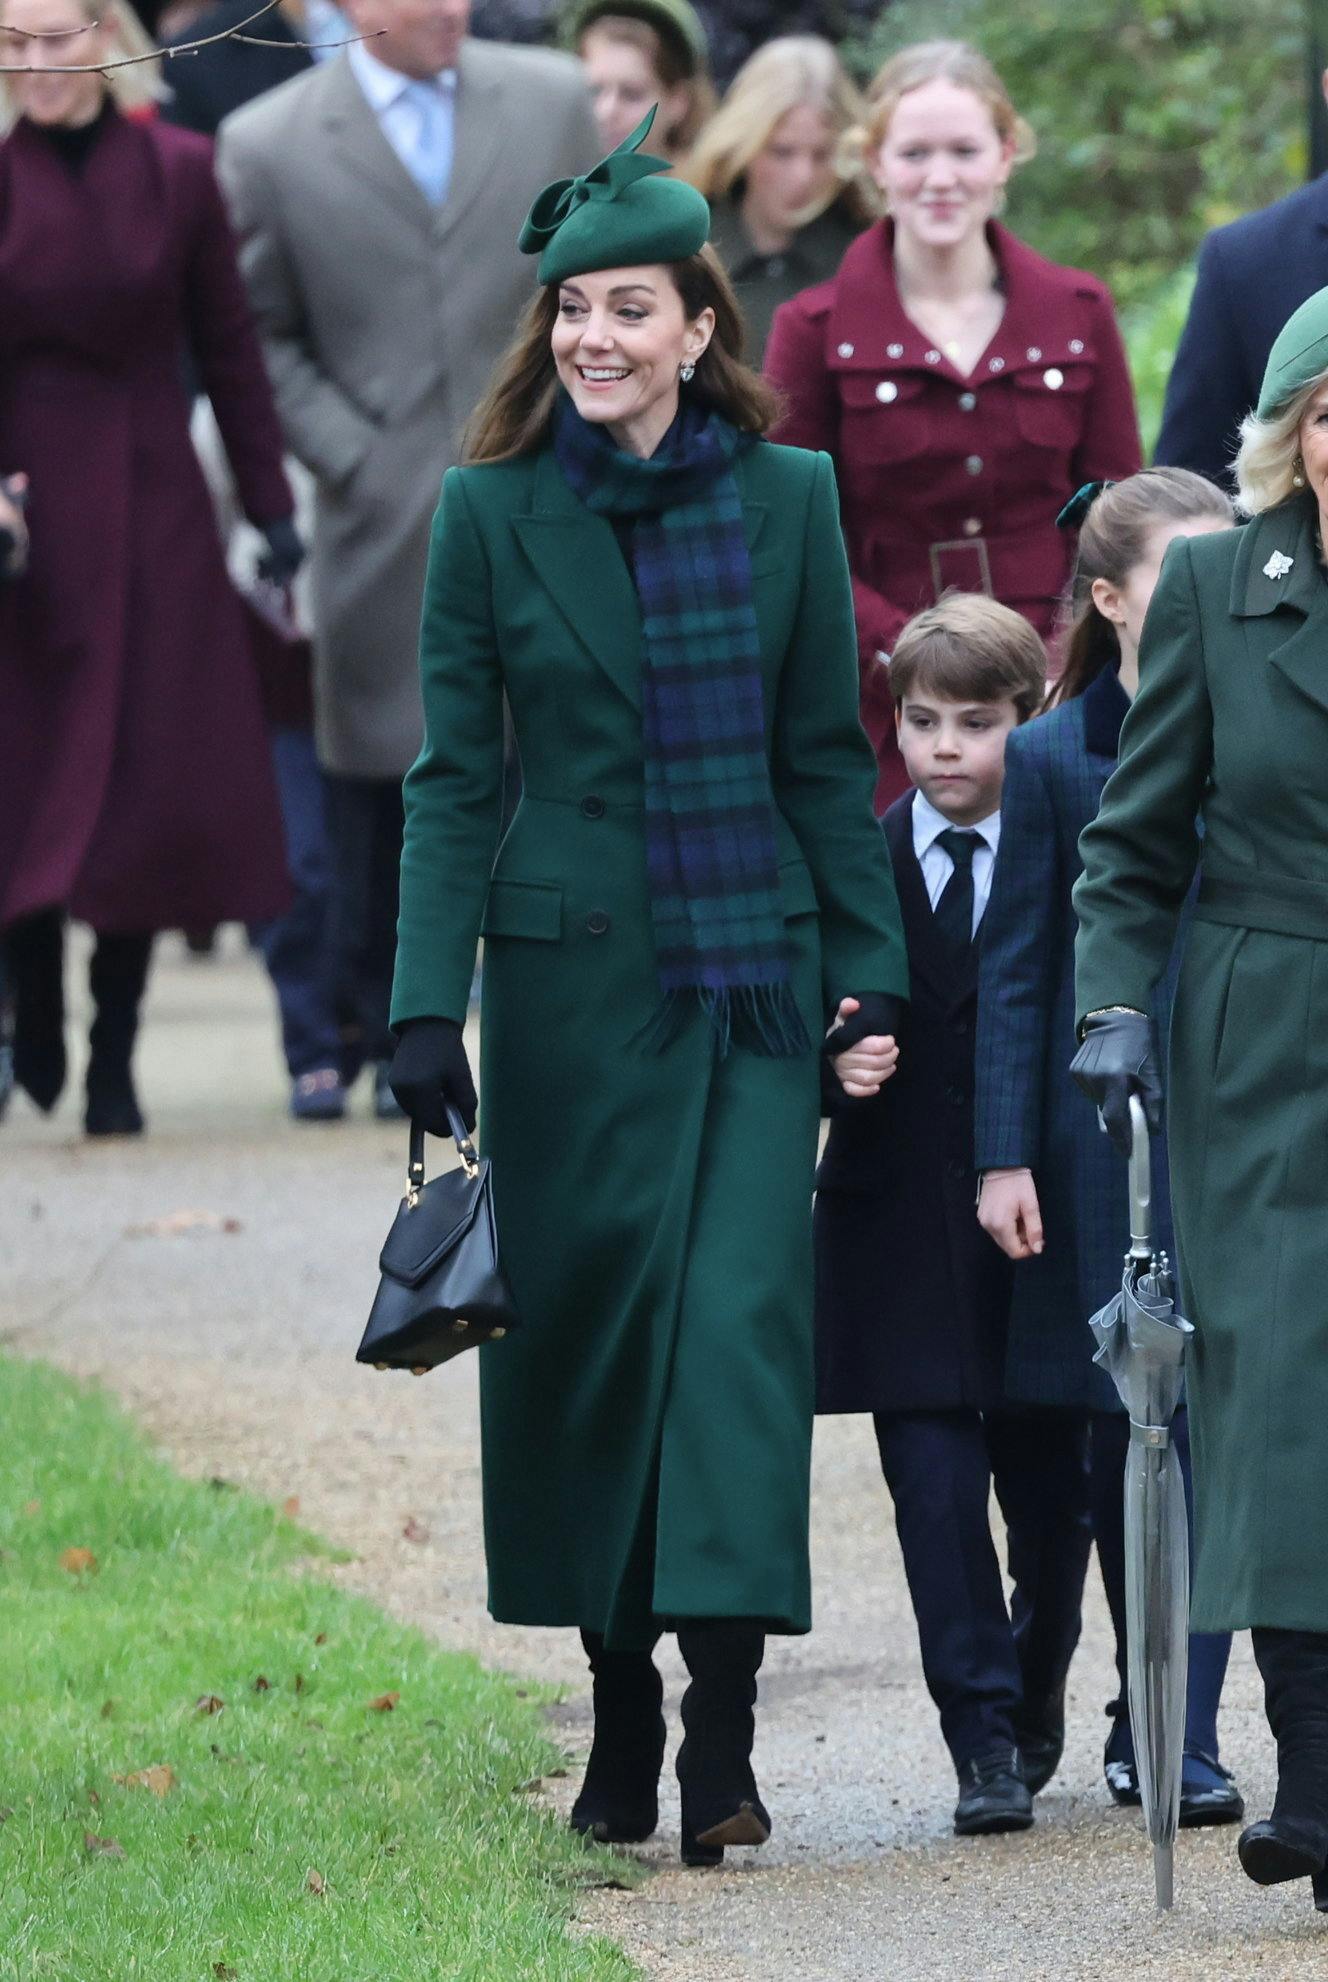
<point>1141,1344</point>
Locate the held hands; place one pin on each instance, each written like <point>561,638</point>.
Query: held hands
<point>1117,1059</point>
<point>1008,1211</point>
<point>861,1045</point>
<point>430,1068</point>
<point>13,528</point>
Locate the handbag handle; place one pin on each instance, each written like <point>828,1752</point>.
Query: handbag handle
<point>466,1150</point>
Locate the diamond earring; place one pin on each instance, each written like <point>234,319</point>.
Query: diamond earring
<point>687,372</point>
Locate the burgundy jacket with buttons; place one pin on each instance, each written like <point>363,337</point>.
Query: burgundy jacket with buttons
<point>949,481</point>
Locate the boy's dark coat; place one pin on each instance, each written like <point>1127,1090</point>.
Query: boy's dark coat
<point>911,1294</point>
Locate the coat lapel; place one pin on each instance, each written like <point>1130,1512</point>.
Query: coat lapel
<point>362,149</point>
<point>575,555</point>
<point>479,139</point>
<point>1291,597</point>
<point>929,959</point>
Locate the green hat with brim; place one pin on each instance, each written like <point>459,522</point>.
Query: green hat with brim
<point>676,20</point>
<point>1299,356</point>
<point>620,215</point>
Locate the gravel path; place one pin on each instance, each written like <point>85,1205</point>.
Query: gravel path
<point>235,1348</point>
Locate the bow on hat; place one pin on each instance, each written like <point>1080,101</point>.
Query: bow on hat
<point>605,181</point>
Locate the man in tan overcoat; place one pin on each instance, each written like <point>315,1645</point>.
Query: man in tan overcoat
<point>378,199</point>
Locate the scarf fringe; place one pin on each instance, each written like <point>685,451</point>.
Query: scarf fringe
<point>756,1018</point>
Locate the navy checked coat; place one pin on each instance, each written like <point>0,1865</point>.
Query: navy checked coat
<point>911,1294</point>
<point>1028,1111</point>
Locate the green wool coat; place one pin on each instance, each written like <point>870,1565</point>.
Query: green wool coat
<point>647,1432</point>
<point>1231,727</point>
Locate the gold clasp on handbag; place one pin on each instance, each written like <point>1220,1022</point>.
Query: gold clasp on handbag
<point>466,1150</point>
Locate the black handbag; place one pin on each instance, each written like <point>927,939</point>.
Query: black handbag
<point>443,1288</point>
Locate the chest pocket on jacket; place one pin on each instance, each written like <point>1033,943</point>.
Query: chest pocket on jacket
<point>1051,404</point>
<point>881,416</point>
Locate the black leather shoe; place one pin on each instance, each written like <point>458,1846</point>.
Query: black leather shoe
<point>1208,1793</point>
<point>748,1823</point>
<point>1118,1766</point>
<point>1279,1849</point>
<point>112,1108</point>
<point>1039,1732</point>
<point>721,1804</point>
<point>1319,1885</point>
<point>993,1796</point>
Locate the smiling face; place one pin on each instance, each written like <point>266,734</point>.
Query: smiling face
<point>942,164</point>
<point>1312,441</point>
<point>46,34</point>
<point>793,171</point>
<point>955,752</point>
<point>619,341</point>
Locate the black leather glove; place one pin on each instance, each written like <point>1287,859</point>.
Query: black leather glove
<point>430,1068</point>
<point>285,551</point>
<point>1118,1059</point>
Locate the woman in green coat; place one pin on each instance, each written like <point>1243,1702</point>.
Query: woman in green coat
<point>692,888</point>
<point>1224,757</point>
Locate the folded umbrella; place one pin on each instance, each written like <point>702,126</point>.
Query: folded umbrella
<point>1141,1344</point>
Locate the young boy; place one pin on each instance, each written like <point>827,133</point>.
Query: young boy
<point>911,1294</point>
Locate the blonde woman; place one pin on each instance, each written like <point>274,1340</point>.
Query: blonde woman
<point>135,780</point>
<point>773,163</point>
<point>963,385</point>
<point>1228,739</point>
<point>641,53</point>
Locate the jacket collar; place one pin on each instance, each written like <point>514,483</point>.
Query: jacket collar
<point>951,983</point>
<point>1105,707</point>
<point>1261,580</point>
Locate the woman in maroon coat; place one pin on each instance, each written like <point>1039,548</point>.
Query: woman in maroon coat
<point>963,386</point>
<point>135,779</point>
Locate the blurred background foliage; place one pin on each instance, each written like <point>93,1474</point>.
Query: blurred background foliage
<point>1154,123</point>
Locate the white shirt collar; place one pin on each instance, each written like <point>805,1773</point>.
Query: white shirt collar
<point>383,86</point>
<point>929,824</point>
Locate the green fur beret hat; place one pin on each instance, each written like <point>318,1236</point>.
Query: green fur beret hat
<point>676,21</point>
<point>619,215</point>
<point>1298,357</point>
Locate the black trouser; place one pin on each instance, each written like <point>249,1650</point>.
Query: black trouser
<point>365,820</point>
<point>981,1662</point>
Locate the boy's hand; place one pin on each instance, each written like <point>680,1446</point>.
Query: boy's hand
<point>864,1067</point>
<point>1008,1211</point>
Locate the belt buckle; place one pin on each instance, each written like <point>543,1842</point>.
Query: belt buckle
<point>975,546</point>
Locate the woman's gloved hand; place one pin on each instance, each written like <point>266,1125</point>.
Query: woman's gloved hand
<point>285,551</point>
<point>430,1068</point>
<point>1118,1059</point>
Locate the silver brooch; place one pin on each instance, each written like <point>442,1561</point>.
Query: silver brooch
<point>1278,565</point>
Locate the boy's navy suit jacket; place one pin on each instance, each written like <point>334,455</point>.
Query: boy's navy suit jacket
<point>911,1294</point>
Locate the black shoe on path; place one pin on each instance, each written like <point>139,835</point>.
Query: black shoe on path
<point>993,1796</point>
<point>619,1799</point>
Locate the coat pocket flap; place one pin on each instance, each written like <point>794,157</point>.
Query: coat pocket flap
<point>875,392</point>
<point>422,1236</point>
<point>798,889</point>
<point>524,908</point>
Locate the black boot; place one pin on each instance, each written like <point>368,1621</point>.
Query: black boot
<point>619,1800</point>
<point>720,1801</point>
<point>116,977</point>
<point>1293,1842</point>
<point>35,965</point>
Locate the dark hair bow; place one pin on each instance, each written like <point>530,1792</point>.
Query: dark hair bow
<point>559,201</point>
<point>1075,510</point>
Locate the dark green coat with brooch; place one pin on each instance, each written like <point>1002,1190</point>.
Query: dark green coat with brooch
<point>647,1434</point>
<point>1231,726</point>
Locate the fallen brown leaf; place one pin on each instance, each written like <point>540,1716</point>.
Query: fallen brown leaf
<point>224,1972</point>
<point>384,1703</point>
<point>262,1684</point>
<point>315,1882</point>
<point>105,1847</point>
<point>299,1682</point>
<point>290,1506</point>
<point>107,1709</point>
<point>414,1531</point>
<point>321,1639</point>
<point>160,1779</point>
<point>79,1561</point>
<point>177,1224</point>
<point>94,1797</point>
<point>32,1507</point>
<point>209,1703</point>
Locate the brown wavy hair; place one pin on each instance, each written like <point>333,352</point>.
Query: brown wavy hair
<point>516,413</point>
<point>1113,538</point>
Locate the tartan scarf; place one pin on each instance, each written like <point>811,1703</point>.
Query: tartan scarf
<point>711,853</point>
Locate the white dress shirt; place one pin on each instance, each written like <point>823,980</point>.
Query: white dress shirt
<point>418,119</point>
<point>935,862</point>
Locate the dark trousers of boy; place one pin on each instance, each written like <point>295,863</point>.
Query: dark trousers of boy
<point>911,1306</point>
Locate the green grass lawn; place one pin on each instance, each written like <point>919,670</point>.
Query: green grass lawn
<point>305,1834</point>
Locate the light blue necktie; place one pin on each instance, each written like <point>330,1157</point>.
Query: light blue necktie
<point>431,153</point>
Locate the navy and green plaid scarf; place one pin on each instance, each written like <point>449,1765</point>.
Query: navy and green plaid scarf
<point>710,815</point>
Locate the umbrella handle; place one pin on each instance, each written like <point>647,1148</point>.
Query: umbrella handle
<point>1141,1183</point>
